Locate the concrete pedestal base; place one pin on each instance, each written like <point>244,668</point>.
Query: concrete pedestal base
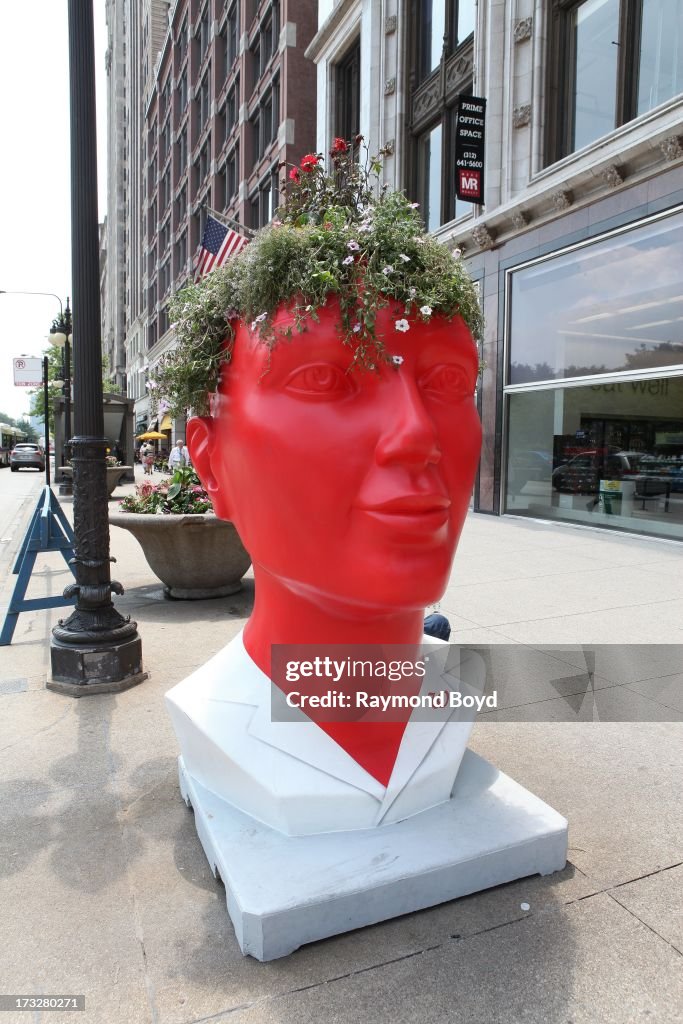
<point>284,891</point>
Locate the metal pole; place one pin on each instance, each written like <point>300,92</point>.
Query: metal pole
<point>95,650</point>
<point>66,485</point>
<point>47,423</point>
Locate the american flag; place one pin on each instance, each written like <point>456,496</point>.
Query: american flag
<point>218,243</point>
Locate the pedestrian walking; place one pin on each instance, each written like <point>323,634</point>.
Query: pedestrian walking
<point>147,458</point>
<point>179,456</point>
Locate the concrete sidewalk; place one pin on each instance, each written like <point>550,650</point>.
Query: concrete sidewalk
<point>106,891</point>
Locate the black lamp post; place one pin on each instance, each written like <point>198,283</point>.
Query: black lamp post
<point>94,650</point>
<point>60,335</point>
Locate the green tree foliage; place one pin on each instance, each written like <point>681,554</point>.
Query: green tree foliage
<point>22,424</point>
<point>54,372</point>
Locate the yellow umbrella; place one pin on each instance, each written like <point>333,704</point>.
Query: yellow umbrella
<point>151,435</point>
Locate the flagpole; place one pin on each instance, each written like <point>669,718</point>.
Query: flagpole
<point>229,221</point>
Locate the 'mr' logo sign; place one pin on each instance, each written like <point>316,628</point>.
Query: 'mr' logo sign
<point>470,183</point>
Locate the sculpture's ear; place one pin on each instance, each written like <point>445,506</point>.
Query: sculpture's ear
<point>200,442</point>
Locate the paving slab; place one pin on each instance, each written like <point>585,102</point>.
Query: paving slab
<point>592,961</point>
<point>656,901</point>
<point>618,785</point>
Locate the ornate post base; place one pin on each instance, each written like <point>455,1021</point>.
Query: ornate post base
<point>81,669</point>
<point>96,649</point>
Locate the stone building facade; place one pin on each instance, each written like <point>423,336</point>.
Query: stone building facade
<point>577,246</point>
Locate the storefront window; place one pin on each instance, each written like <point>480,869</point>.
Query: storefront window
<point>602,455</point>
<point>610,306</point>
<point>609,451</point>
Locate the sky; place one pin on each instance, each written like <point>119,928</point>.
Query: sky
<point>35,233</point>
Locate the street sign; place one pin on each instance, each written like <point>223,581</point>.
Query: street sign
<point>469,149</point>
<point>28,372</point>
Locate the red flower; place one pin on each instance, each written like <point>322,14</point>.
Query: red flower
<point>339,146</point>
<point>294,175</point>
<point>309,162</point>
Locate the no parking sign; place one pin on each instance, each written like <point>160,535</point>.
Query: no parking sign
<point>28,372</point>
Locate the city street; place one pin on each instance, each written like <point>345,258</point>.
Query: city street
<point>106,890</point>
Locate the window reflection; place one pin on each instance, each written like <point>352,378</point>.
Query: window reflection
<point>432,31</point>
<point>430,148</point>
<point>661,62</point>
<point>604,455</point>
<point>596,35</point>
<point>611,306</point>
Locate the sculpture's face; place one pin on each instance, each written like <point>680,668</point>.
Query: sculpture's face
<point>350,487</point>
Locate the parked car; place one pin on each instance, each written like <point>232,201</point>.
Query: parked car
<point>27,455</point>
<point>583,473</point>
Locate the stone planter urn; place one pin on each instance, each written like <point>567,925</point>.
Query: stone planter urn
<point>114,474</point>
<point>194,556</point>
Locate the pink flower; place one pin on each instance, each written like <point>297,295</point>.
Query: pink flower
<point>309,162</point>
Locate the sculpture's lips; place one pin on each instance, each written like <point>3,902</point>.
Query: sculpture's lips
<point>411,504</point>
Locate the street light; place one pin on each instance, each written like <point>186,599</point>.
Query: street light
<point>96,649</point>
<point>60,336</point>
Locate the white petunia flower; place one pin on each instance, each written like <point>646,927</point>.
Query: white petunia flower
<point>414,206</point>
<point>356,328</point>
<point>261,317</point>
<point>426,310</point>
<point>412,292</point>
<point>457,253</point>
<point>402,325</point>
<point>352,246</point>
<point>397,360</point>
<point>347,260</point>
<point>402,256</point>
<point>387,270</point>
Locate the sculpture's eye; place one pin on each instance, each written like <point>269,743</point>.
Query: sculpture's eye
<point>321,381</point>
<point>448,381</point>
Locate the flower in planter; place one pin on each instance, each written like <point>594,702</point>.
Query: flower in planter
<point>342,238</point>
<point>183,494</point>
<point>309,162</point>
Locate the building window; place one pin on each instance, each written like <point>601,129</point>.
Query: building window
<point>164,236</point>
<point>231,37</point>
<point>232,105</point>
<point>232,175</point>
<point>607,450</point>
<point>182,152</point>
<point>165,97</point>
<point>182,39</point>
<point>164,278</point>
<point>430,153</point>
<point>347,74</point>
<point>203,33</point>
<point>165,141</point>
<point>165,189</point>
<point>265,201</point>
<point>204,162</point>
<point>182,93</point>
<point>204,99</point>
<point>609,61</point>
<point>451,21</point>
<point>181,254</point>
<point>181,204</point>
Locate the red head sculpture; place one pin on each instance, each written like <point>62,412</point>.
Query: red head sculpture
<point>349,488</point>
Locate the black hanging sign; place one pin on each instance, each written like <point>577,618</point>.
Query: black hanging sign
<point>469,149</point>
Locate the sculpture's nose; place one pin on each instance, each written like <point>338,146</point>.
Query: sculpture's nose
<point>409,436</point>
